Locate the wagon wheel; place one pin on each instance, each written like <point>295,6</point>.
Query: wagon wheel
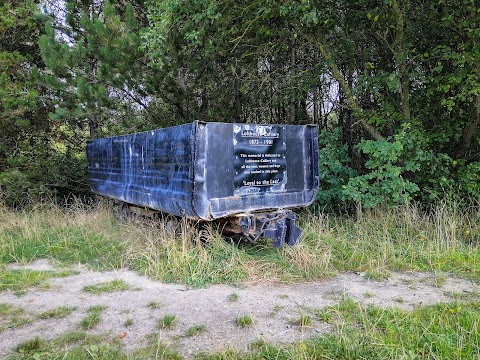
<point>125,213</point>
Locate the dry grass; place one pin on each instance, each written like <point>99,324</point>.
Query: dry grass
<point>445,238</point>
<point>195,256</point>
<point>375,241</point>
<point>79,234</point>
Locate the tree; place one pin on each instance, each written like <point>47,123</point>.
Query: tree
<point>24,105</point>
<point>239,61</point>
<point>92,66</point>
<point>389,64</point>
<point>401,96</point>
<point>19,94</point>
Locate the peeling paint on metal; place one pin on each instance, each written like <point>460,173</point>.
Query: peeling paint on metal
<point>189,170</point>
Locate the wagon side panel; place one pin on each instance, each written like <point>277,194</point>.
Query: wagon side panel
<point>153,169</point>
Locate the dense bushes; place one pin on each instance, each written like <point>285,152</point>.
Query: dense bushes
<point>398,170</point>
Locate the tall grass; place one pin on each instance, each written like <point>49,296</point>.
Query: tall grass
<point>446,238</point>
<point>79,234</point>
<point>185,253</point>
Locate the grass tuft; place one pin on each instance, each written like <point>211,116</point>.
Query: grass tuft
<point>196,330</point>
<point>233,297</point>
<point>154,305</point>
<point>93,318</point>
<point>244,320</point>
<point>258,345</point>
<point>304,321</point>
<point>109,286</point>
<point>57,313</point>
<point>168,321</point>
<point>30,346</point>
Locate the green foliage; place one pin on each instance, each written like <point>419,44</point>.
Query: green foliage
<point>47,173</point>
<point>334,168</point>
<point>371,69</point>
<point>388,162</point>
<point>98,70</point>
<point>405,168</point>
<point>449,179</point>
<point>38,159</point>
<point>284,53</point>
<point>469,180</point>
<point>247,46</point>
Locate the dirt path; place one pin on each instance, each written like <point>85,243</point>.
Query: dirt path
<point>274,307</point>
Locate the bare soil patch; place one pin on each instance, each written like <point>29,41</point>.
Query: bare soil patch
<point>133,314</point>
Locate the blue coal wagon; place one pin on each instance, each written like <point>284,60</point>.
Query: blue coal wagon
<point>249,177</point>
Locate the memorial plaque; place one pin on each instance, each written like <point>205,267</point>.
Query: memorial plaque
<point>259,158</point>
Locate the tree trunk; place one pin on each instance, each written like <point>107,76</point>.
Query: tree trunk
<point>238,101</point>
<point>292,74</point>
<point>401,61</point>
<point>351,101</point>
<point>93,126</point>
<point>470,129</point>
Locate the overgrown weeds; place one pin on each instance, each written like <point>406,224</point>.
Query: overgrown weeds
<point>445,239</point>
<point>378,241</point>
<point>79,234</point>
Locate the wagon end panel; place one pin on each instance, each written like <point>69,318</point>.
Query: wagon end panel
<point>244,168</point>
